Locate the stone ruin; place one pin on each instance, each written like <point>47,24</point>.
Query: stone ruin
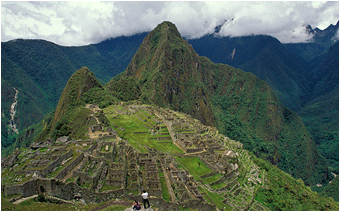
<point>97,170</point>
<point>98,132</point>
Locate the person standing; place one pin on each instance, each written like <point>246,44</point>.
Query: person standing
<point>145,199</point>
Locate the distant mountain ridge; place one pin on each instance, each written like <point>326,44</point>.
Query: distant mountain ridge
<point>285,67</point>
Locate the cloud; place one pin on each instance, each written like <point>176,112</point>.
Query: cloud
<point>82,22</point>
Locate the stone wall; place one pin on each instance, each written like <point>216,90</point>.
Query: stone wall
<point>95,179</point>
<point>55,163</point>
<point>9,162</point>
<point>208,175</point>
<point>65,171</point>
<point>209,165</point>
<point>194,150</point>
<point>61,190</point>
<point>29,188</point>
<point>92,147</point>
<point>83,177</point>
<point>11,190</point>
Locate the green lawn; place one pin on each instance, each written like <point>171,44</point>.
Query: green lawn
<point>131,124</point>
<point>216,198</point>
<point>70,179</point>
<point>34,205</point>
<point>212,179</point>
<point>218,186</point>
<point>195,166</point>
<point>165,191</point>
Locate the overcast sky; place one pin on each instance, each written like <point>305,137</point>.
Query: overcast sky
<point>80,23</point>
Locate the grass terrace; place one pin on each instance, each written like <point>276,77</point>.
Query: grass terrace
<point>35,205</point>
<point>195,166</point>
<point>132,124</point>
<point>214,197</point>
<point>218,186</point>
<point>165,191</point>
<point>212,179</point>
<point>70,179</point>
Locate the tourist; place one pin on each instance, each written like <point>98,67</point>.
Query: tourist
<point>136,205</point>
<point>145,199</point>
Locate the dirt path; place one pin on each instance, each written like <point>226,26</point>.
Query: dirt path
<point>96,119</point>
<point>23,199</point>
<point>334,174</point>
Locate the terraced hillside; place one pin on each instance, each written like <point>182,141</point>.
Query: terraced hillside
<point>180,162</point>
<point>145,150</point>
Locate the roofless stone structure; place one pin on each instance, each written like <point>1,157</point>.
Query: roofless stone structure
<point>108,166</point>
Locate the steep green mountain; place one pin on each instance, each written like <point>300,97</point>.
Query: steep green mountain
<point>308,51</point>
<point>79,83</point>
<point>70,118</point>
<point>321,113</point>
<point>39,71</point>
<point>326,74</point>
<point>167,72</point>
<point>301,74</point>
<point>321,41</point>
<point>285,67</point>
<point>82,88</point>
<point>332,190</point>
<point>26,63</point>
<point>263,56</point>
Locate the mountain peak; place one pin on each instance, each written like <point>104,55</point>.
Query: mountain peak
<point>167,27</point>
<point>79,83</point>
<point>164,68</point>
<point>159,51</point>
<point>164,31</point>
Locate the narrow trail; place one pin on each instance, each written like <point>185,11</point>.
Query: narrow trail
<point>23,199</point>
